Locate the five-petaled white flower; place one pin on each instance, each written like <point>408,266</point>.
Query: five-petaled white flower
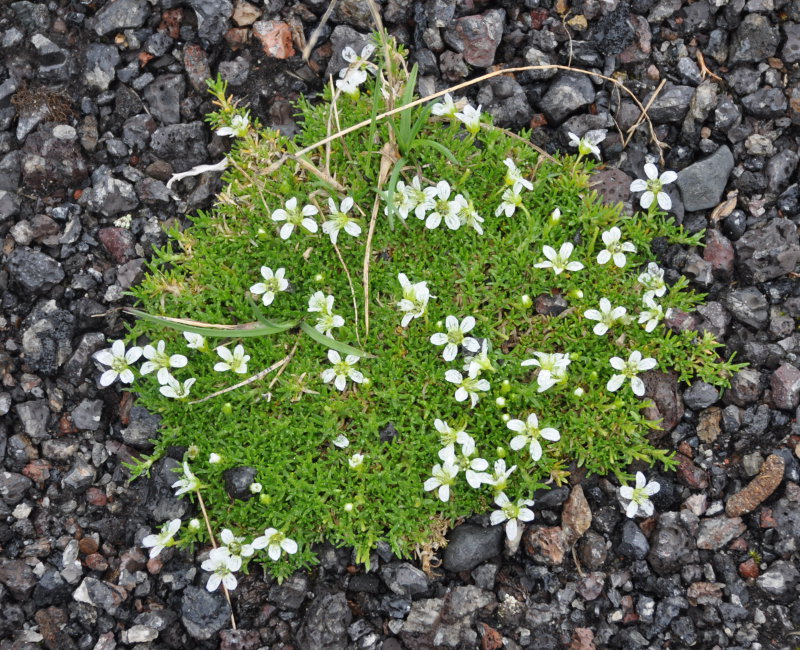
<point>653,281</point>
<point>158,542</point>
<point>559,261</point>
<point>512,199</point>
<point>651,316</point>
<point>222,565</point>
<point>239,126</point>
<point>653,187</point>
<point>342,370</point>
<point>176,389</point>
<point>499,477</point>
<point>295,217</point>
<point>420,199</point>
<point>468,386</point>
<point>119,360</point>
<point>274,281</point>
<point>415,299</point>
<point>480,362</point>
<point>471,117</point>
<point>195,341</point>
<point>356,461</point>
<point>514,176</point>
<point>511,513</point>
<point>472,467</point>
<point>446,108</point>
<point>442,477</point>
<point>639,496</point>
<point>444,208</point>
<point>340,220</point>
<point>552,368</point>
<point>529,434</point>
<point>236,361</point>
<point>275,542</point>
<point>449,437</point>
<point>456,335</point>
<point>236,546</point>
<point>353,78</point>
<point>607,316</point>
<point>588,143</point>
<point>614,249</point>
<point>629,369</point>
<point>323,304</point>
<point>187,483</point>
<point>160,361</point>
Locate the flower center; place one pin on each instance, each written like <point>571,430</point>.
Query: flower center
<point>654,185</point>
<point>455,336</point>
<point>119,364</point>
<point>272,284</point>
<point>295,217</point>
<point>442,206</point>
<point>342,368</point>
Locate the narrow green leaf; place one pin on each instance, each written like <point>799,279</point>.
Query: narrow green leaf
<point>244,330</point>
<point>437,146</point>
<point>398,167</point>
<point>328,342</point>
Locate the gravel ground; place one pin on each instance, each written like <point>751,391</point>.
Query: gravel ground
<point>101,102</point>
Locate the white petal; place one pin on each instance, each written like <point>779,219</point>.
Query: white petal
<point>274,552</point>
<point>626,492</point>
<point>652,488</point>
<point>664,201</point>
<point>450,351</point>
<point>632,509</point>
<point>647,364</point>
<point>286,230</point>
<point>668,177</point>
<point>340,382</point>
<point>638,386</point>
<point>497,517</point>
<point>461,394</point>
<point>511,529</point>
<point>289,545</point>
<point>651,171</point>
<point>453,376</point>
<point>638,185</point>
<point>213,581</point>
<point>440,338</point>
<point>603,257</point>
<point>615,382</point>
<point>647,199</point>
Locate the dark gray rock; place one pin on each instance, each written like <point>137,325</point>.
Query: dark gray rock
<point>633,544</point>
<point>670,545</point>
<point>80,362</point>
<point>80,476</point>
<point>86,416</point>
<point>755,40</point>
<point>142,427</point>
<point>183,145</point>
<point>51,163</point>
<point>671,105</point>
<point>766,103</point>
<point>791,46</point>
<point>120,14</point>
<point>238,480</point>
<point>505,99</point>
<point>404,579</point>
<point>748,306</point>
<point>614,32</point>
<point>100,65</point>
<point>17,577</point>
<point>700,395</point>
<point>768,252</point>
<point>9,205</point>
<point>780,168</point>
<point>703,183</point>
<point>291,593</point>
<point>667,609</point>
<point>235,72</point>
<point>726,114</point>
<point>779,581</point>
<point>164,96</point>
<point>566,95</point>
<point>33,271</point>
<point>47,337</point>
<point>33,415</point>
<point>592,550</point>
<point>13,487</point>
<point>213,17</point>
<point>534,56</point>
<point>471,545</point>
<point>465,601</point>
<point>111,196</point>
<point>325,624</point>
<point>683,628</point>
<point>54,63</point>
<point>203,613</point>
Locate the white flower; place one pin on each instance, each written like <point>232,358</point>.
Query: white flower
<point>653,187</point>
<point>466,386</point>
<point>275,542</point>
<point>159,360</point>
<point>629,369</point>
<point>319,302</point>
<point>222,566</point>
<point>187,483</point>
<point>468,214</point>
<point>119,361</point>
<point>163,539</point>
<point>274,281</point>
<point>444,208</point>
<point>357,62</point>
<point>340,220</point>
<point>239,126</point>
<point>342,370</point>
<point>499,478</point>
<point>639,497</point>
<point>512,199</point>
<point>295,217</point>
<point>415,299</point>
<point>352,80</point>
<point>420,199</point>
<point>341,441</point>
<point>195,341</point>
<point>403,201</point>
<point>456,335</point>
<point>356,461</point>
<point>559,261</point>
<point>588,143</point>
<point>514,176</point>
<point>446,108</point>
<point>529,434</point>
<point>235,545</point>
<point>175,389</point>
<point>442,477</point>
<point>552,368</point>
<point>511,513</point>
<point>214,458</point>
<point>449,437</point>
<point>651,316</point>
<point>653,281</point>
<point>472,467</point>
<point>479,363</point>
<point>237,362</point>
<point>614,250</point>
<point>471,117</point>
<point>255,488</point>
<point>608,316</point>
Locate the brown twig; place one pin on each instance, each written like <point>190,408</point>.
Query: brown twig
<point>643,114</point>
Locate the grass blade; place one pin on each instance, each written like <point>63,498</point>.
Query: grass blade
<point>328,342</point>
<point>243,330</point>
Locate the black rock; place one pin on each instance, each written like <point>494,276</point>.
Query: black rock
<point>17,577</point>
<point>325,624</point>
<point>47,337</point>
<point>35,272</point>
<point>614,31</point>
<point>505,99</point>
<point>670,545</point>
<point>13,487</point>
<point>120,14</point>
<point>748,306</point>
<point>142,427</point>
<point>213,18</point>
<point>404,579</point>
<point>633,544</point>
<point>767,252</point>
<point>567,95</point>
<point>238,481</point>
<point>183,145</point>
<point>671,105</point>
<point>203,613</point>
<point>471,545</point>
<point>766,103</point>
<point>778,582</point>
<point>702,183</point>
<point>755,40</point>
<point>700,395</point>
<point>164,96</point>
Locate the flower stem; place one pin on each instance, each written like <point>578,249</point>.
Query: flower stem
<point>214,544</point>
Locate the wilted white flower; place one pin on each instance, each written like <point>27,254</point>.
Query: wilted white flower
<point>239,126</point>
<point>552,368</point>
<point>614,249</point>
<point>514,176</point>
<point>480,362</point>
<point>588,143</point>
<point>607,316</point>
<point>195,341</point>
<point>235,546</point>
<point>237,361</point>
<point>353,78</point>
<point>341,441</point>
<point>653,281</point>
<point>275,542</point>
<point>214,458</point>
<point>339,220</point>
<point>529,434</point>
<point>511,513</point>
<point>295,217</point>
<point>651,316</point>
<point>356,461</point>
<point>639,496</point>
<point>342,370</point>
<point>559,261</point>
<point>446,108</point>
<point>449,437</point>
<point>415,299</point>
<point>468,386</point>
<point>119,360</point>
<point>629,370</point>
<point>499,477</point>
<point>187,483</point>
<point>273,283</point>
<point>653,187</point>
<point>255,487</point>
<point>511,200</point>
<point>471,117</point>
<point>456,335</point>
<point>357,62</point>
<point>222,565</point>
<point>158,542</point>
<point>160,361</point>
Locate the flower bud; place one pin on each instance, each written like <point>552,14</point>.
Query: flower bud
<point>227,408</point>
<point>506,417</point>
<point>193,452</point>
<point>575,294</point>
<point>555,217</point>
<point>214,459</point>
<point>526,301</point>
<point>500,401</point>
<point>319,278</point>
<point>501,452</point>
<point>505,387</point>
<point>578,392</point>
<point>262,234</point>
<point>194,525</point>
<point>255,488</point>
<point>265,499</point>
<point>348,507</point>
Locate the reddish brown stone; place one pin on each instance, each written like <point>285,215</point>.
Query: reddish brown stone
<point>171,21</point>
<point>576,516</point>
<point>704,593</point>
<point>195,62</point>
<point>96,562</point>
<point>37,471</point>
<point>749,569</point>
<point>96,497</point>
<point>545,544</point>
<point>154,566</point>
<point>119,243</point>
<point>88,545</point>
<point>236,37</point>
<point>275,37</point>
<point>690,474</point>
<point>582,639</point>
<point>51,626</point>
<point>762,486</point>
<point>492,639</point>
<point>719,253</point>
<point>765,519</point>
<point>668,407</point>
